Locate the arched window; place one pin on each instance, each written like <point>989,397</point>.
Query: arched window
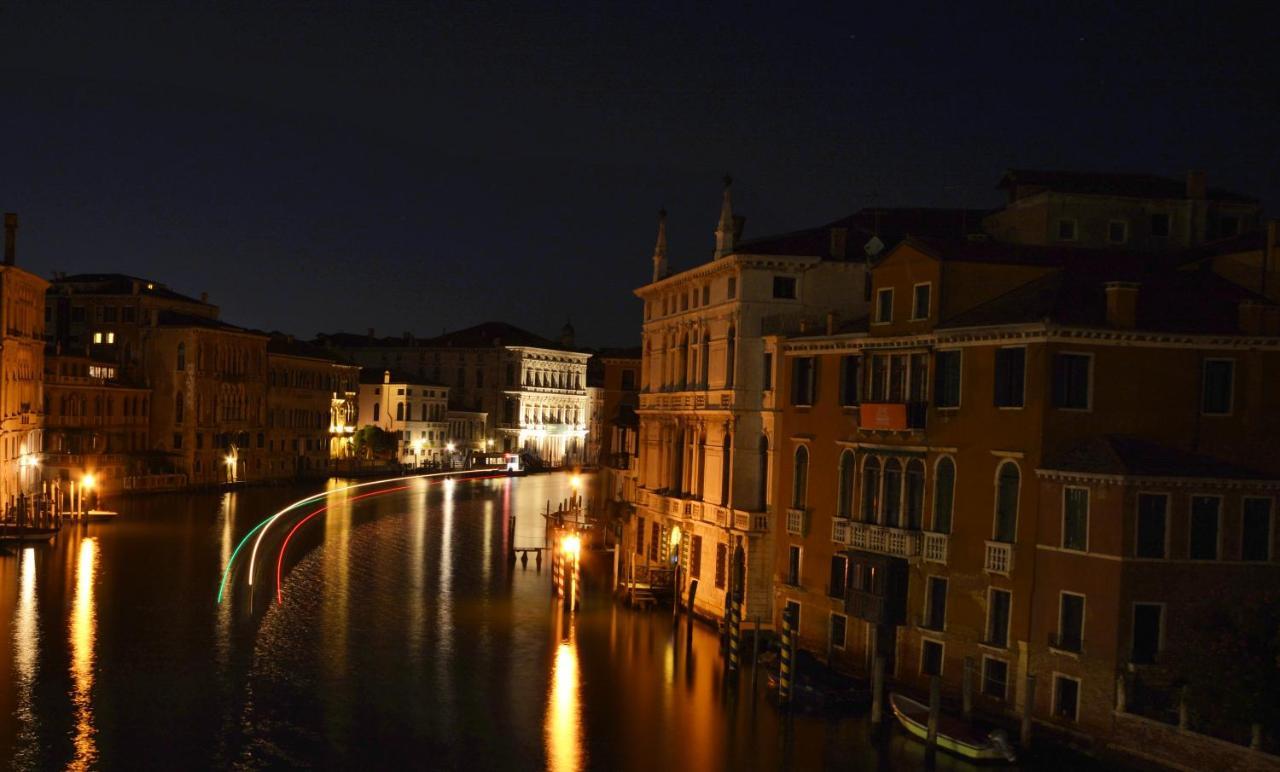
<point>944,483</point>
<point>844,488</point>
<point>726,466</point>
<point>730,357</point>
<point>915,494</point>
<point>683,354</point>
<point>706,360</point>
<point>800,478</point>
<point>377,410</point>
<point>870,489</point>
<point>178,408</point>
<point>891,515</point>
<point>182,356</point>
<point>1007,482</point>
<point>764,472</point>
<point>400,411</point>
<point>424,411</point>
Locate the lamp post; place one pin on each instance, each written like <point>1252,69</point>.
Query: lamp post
<point>572,548</point>
<point>675,577</point>
<point>87,484</point>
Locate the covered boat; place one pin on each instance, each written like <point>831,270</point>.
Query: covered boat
<point>955,735</point>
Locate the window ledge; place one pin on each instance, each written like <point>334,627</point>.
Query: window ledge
<point>993,647</point>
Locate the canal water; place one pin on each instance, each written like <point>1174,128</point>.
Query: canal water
<point>398,636</point>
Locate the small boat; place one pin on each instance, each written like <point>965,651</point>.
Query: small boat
<point>26,534</point>
<point>100,515</point>
<point>814,686</point>
<point>956,735</point>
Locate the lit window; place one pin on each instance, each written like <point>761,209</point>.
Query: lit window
<point>97,337</point>
<point>111,337</point>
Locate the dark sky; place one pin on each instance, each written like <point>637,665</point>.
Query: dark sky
<point>426,166</point>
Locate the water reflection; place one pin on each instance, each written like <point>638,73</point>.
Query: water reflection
<point>26,647</point>
<point>83,634</point>
<point>564,717</point>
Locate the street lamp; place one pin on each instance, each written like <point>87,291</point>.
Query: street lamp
<point>86,486</point>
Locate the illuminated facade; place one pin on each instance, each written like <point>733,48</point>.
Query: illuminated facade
<point>414,411</point>
<point>21,372</point>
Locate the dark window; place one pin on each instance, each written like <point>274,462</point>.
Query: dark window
<point>920,309</point>
<point>77,313</point>
<point>628,380</point>
<point>1204,527</point>
<point>1146,632</point>
<point>1066,697</point>
<point>918,390</point>
<point>1152,515</point>
<point>793,565</point>
<point>849,378</point>
<point>839,624</point>
<point>998,618</point>
<point>803,377</point>
<point>915,494</point>
<point>262,439</point>
<point>655,539</point>
<point>1066,230</point>
<point>1228,226</point>
<point>479,378</point>
<point>898,378</point>
<point>892,493</point>
<point>930,658</point>
<point>1070,622</point>
<point>844,492</point>
<point>199,441</point>
<point>1160,225</point>
<point>1010,368</point>
<point>768,371</point>
<point>936,612</point>
<point>177,441</point>
<point>884,305</point>
<point>511,375</point>
<point>182,356</point>
<point>800,478</point>
<point>1218,377</point>
<point>946,390</point>
<point>733,287</point>
<point>793,611</point>
<point>784,287</point>
<point>640,537</point>
<point>995,677</point>
<point>109,314</point>
<point>706,295</point>
<point>879,383</point>
<point>870,489</point>
<point>1007,483</point>
<point>722,556</point>
<point>944,482</point>
<point>695,557</point>
<point>838,579</point>
<point>1075,519</point>
<point>1071,381</point>
<point>1257,530</point>
<point>1117,232</point>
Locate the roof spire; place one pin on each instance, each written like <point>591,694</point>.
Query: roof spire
<point>660,248</point>
<point>725,228</point>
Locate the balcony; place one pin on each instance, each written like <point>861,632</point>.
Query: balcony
<point>687,398</point>
<point>841,532</point>
<point>752,522</point>
<point>867,606</point>
<point>1070,642</point>
<point>796,522</point>
<point>892,416</point>
<point>935,547</point>
<point>886,540</point>
<point>999,558</point>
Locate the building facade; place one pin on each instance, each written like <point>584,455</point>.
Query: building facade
<point>22,365</point>
<point>311,406</point>
<point>414,411</point>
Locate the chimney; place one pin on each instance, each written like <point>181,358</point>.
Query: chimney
<point>839,242</point>
<point>10,237</point>
<point>831,322</point>
<point>204,297</point>
<point>1122,304</point>
<point>1197,187</point>
<point>386,376</point>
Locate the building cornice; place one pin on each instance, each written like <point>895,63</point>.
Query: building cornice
<point>728,264</point>
<point>1059,475</point>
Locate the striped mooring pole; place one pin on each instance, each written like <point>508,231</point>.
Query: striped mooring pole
<point>784,659</point>
<point>735,632</point>
<point>557,573</point>
<point>575,593</point>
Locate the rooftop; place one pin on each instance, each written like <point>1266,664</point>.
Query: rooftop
<point>119,284</point>
<point>891,225</point>
<point>1108,184</point>
<point>374,375</point>
<point>484,335</point>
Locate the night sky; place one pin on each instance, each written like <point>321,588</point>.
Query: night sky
<point>415,167</point>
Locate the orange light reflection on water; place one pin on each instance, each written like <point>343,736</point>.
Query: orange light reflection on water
<point>84,624</point>
<point>564,711</point>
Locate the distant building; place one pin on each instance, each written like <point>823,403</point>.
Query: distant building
<point>532,390</point>
<point>410,408</point>
<point>21,372</point>
<point>311,405</point>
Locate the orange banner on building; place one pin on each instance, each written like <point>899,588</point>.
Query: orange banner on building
<point>882,415</point>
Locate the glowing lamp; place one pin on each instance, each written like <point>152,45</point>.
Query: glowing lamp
<point>575,482</point>
<point>675,535</point>
<point>449,447</point>
<point>87,482</point>
<point>571,545</point>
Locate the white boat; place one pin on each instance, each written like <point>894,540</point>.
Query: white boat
<point>100,515</point>
<point>955,735</point>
